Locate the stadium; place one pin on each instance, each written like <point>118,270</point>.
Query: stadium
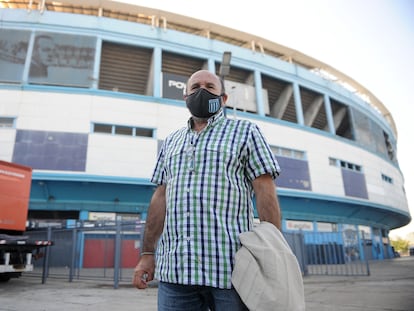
<point>90,89</point>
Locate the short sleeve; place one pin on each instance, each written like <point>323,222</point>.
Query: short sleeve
<point>158,176</point>
<point>261,159</point>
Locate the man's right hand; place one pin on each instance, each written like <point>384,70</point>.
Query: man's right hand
<point>144,271</point>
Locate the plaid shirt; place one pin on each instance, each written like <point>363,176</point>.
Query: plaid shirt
<point>209,198</point>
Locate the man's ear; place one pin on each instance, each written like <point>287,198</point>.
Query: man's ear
<point>224,98</point>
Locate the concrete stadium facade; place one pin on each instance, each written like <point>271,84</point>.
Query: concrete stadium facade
<point>89,90</point>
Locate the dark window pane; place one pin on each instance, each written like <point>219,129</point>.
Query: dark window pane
<point>123,130</point>
<point>102,128</point>
<point>143,132</point>
<point>6,122</point>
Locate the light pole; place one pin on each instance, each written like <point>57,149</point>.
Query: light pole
<point>225,65</point>
<point>225,69</point>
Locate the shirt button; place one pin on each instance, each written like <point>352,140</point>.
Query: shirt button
<point>188,239</point>
<point>188,214</point>
<point>188,189</point>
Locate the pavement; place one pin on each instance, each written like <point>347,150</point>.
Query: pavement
<point>390,287</point>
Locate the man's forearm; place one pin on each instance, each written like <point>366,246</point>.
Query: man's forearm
<point>155,220</point>
<point>269,212</point>
<point>267,203</point>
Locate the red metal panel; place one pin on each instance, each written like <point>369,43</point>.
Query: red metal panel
<point>98,253</point>
<point>129,254</point>
<point>15,182</point>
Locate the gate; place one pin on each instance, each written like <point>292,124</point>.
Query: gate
<point>335,253</point>
<point>109,252</point>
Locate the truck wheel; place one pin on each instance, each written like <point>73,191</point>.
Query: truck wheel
<point>4,278</point>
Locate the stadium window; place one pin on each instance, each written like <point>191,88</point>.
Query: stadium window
<point>102,128</point>
<point>275,149</point>
<point>144,132</point>
<point>333,162</point>
<point>346,165</point>
<point>389,146</point>
<point>119,61</point>
<point>6,122</point>
<point>298,154</point>
<point>288,153</point>
<point>342,120</point>
<point>123,130</point>
<point>277,94</point>
<point>313,109</point>
<point>387,179</point>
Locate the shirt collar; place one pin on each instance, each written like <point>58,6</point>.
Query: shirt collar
<point>213,120</point>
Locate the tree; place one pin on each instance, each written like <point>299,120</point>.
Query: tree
<point>400,245</point>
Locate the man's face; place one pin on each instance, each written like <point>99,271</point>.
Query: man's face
<point>46,51</point>
<point>204,79</point>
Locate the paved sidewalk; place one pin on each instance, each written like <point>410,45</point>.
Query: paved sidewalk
<point>390,287</point>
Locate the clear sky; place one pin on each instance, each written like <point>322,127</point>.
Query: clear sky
<point>371,41</point>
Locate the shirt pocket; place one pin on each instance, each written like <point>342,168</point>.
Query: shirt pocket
<point>219,159</point>
<point>174,160</point>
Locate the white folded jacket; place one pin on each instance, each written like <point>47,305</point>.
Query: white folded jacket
<point>267,275</point>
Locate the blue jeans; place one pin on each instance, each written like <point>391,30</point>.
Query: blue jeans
<point>176,297</point>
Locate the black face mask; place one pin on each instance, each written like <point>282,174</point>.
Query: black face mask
<point>203,104</point>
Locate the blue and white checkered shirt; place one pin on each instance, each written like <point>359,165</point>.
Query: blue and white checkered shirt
<point>208,178</point>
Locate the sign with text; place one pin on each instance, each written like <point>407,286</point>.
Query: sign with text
<point>173,86</point>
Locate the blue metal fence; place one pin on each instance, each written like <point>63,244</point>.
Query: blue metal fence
<point>113,252</point>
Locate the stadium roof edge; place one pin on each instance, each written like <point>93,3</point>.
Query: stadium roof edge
<point>160,18</point>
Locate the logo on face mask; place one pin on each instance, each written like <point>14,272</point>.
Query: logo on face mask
<point>213,105</point>
<point>203,104</point>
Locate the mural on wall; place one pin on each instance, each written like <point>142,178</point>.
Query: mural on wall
<point>13,52</point>
<point>56,59</point>
<point>62,59</point>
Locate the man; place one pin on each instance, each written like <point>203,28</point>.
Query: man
<point>206,175</point>
<point>44,55</point>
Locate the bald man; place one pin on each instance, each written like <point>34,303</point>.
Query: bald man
<point>206,175</point>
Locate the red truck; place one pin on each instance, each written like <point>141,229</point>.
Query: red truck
<point>16,249</point>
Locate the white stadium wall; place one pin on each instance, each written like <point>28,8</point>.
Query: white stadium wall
<point>91,129</point>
